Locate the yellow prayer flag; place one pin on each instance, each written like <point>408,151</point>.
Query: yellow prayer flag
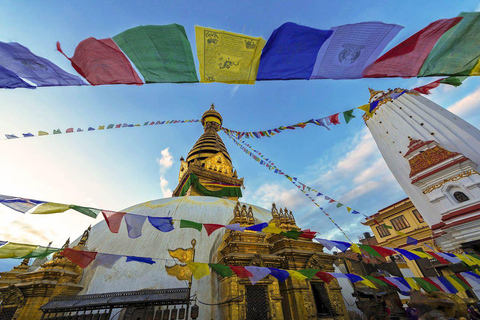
<point>272,229</point>
<point>42,133</point>
<point>296,275</point>
<point>355,248</point>
<point>477,262</point>
<point>16,250</point>
<point>465,259</point>
<point>366,108</point>
<point>368,283</point>
<point>476,70</point>
<point>227,57</point>
<point>199,270</point>
<point>51,207</point>
<point>420,254</point>
<point>412,284</point>
<point>349,209</point>
<point>101,127</point>
<point>457,285</point>
<point>138,125</point>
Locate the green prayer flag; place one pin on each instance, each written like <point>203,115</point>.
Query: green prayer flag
<point>221,269</point>
<point>348,115</point>
<point>376,281</point>
<point>456,52</point>
<point>309,273</point>
<point>339,205</point>
<point>110,126</point>
<point>425,285</point>
<point>369,250</point>
<point>160,53</point>
<point>190,224</point>
<point>224,192</point>
<point>56,131</point>
<point>41,252</point>
<point>463,284</point>
<point>454,81</point>
<point>86,211</point>
<point>293,234</point>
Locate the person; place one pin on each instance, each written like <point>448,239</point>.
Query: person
<point>474,315</point>
<point>411,312</point>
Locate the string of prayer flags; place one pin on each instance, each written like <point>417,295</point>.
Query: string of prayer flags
<point>101,127</point>
<point>191,224</point>
<point>81,258</point>
<point>454,53</point>
<point>291,52</point>
<point>162,54</point>
<point>42,72</point>
<point>100,61</point>
<point>227,57</point>
<point>406,59</point>
<point>351,48</point>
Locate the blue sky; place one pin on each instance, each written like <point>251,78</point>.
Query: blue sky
<point>118,168</point>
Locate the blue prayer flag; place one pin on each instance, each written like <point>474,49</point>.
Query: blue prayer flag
<point>447,285</point>
<point>10,80</point>
<point>408,255</point>
<point>140,259</point>
<point>257,227</point>
<point>411,240</point>
<point>291,52</point>
<point>355,212</point>
<point>163,224</point>
<point>19,204</point>
<point>134,224</point>
<point>3,243</point>
<point>353,277</point>
<point>11,136</point>
<point>91,129</point>
<point>281,275</point>
<point>343,246</point>
<point>373,105</point>
<point>25,135</point>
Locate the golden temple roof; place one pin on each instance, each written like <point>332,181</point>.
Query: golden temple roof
<point>209,142</point>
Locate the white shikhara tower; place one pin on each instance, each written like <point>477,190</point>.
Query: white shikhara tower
<point>434,155</point>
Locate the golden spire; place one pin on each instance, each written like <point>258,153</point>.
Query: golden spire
<point>373,93</point>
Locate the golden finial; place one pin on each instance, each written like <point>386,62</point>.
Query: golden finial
<point>86,234</point>
<point>373,92</point>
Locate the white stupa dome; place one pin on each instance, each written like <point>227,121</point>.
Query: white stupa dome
<point>129,276</point>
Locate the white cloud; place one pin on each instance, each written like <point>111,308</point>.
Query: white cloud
<point>165,162</point>
<point>269,193</point>
<point>467,104</point>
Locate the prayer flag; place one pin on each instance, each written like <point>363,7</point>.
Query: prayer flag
<point>432,283</point>
<point>342,246</point>
<point>258,227</point>
<point>69,130</point>
<point>113,219</point>
<point>102,62</point>
<point>351,48</point>
<point>258,273</point>
<point>368,283</point>
<point>160,53</point>
<point>427,286</point>
<point>190,224</point>
<point>309,273</point>
<point>373,105</point>
<point>293,234</point>
<point>436,256</point>
<point>221,269</point>
<point>101,127</point>
<point>40,71</point>
<point>211,227</point>
<point>164,224</point>
<point>326,243</point>
<point>334,119</point>
<point>370,250</point>
<point>353,277</point>
<point>407,58</point>
<point>291,52</point>
<point>407,254</point>
<point>412,241</point>
<point>42,133</point>
<point>453,81</point>
<point>455,53</point>
<point>91,212</point>
<point>241,272</point>
<point>355,248</point>
<point>448,286</point>
<point>325,276</point>
<point>227,57</point>
<point>91,129</point>
<point>272,228</point>
<point>134,224</point>
<point>16,250</point>
<point>426,88</point>
<point>412,284</point>
<point>396,95</point>
<point>110,126</point>
<point>10,136</point>
<point>9,80</point>
<point>348,115</point>
<point>296,275</point>
<point>19,204</point>
<point>105,260</point>
<point>403,287</point>
<point>308,234</point>
<point>455,283</point>
<point>51,207</point>
<point>42,252</point>
<point>235,227</point>
<point>199,270</point>
<point>57,131</point>
<point>80,258</point>
<point>79,130</point>
<point>280,275</point>
<point>449,258</point>
<point>26,135</point>
<point>465,259</point>
<point>376,281</point>
<point>140,259</point>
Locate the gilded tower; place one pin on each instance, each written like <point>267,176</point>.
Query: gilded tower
<point>208,169</point>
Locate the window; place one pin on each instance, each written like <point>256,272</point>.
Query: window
<point>460,196</point>
<point>382,231</point>
<point>400,223</point>
<point>418,215</point>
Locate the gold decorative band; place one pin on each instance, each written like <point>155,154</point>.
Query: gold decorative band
<point>455,178</point>
<point>210,119</point>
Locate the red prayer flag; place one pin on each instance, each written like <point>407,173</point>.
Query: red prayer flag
<point>436,256</point>
<point>433,284</point>
<point>309,234</point>
<point>426,88</point>
<point>334,119</point>
<point>386,281</point>
<point>384,252</point>
<point>102,62</point>
<point>69,130</point>
<point>81,258</point>
<point>407,58</point>
<point>463,279</point>
<point>325,276</point>
<point>241,272</point>
<point>331,200</point>
<point>113,219</point>
<point>210,227</point>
